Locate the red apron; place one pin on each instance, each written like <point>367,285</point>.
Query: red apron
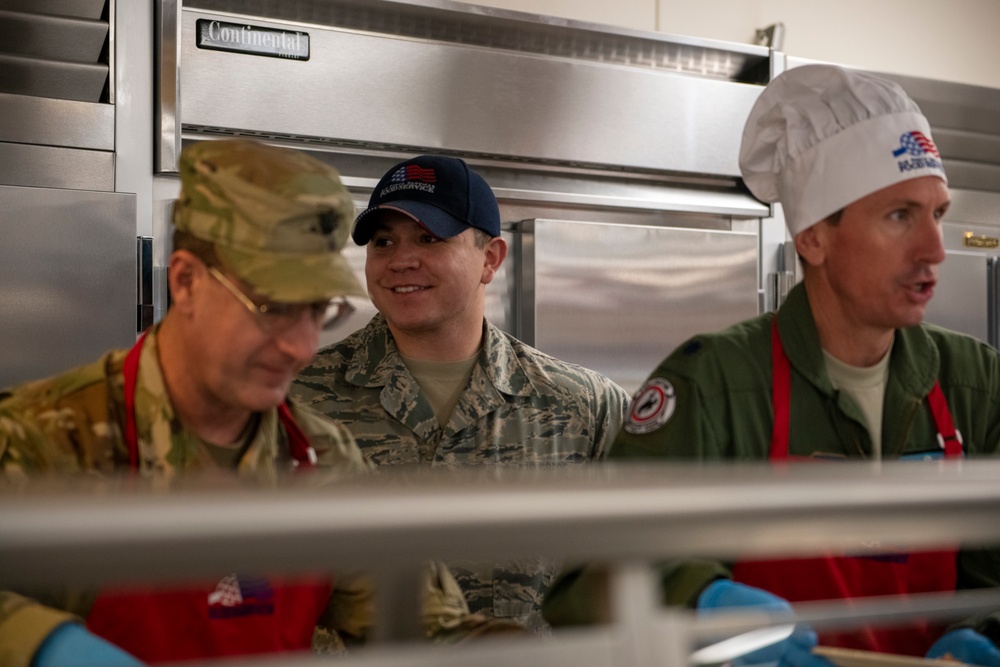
<point>239,615</point>
<point>845,577</point>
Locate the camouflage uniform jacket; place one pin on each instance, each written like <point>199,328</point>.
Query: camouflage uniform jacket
<point>521,407</point>
<point>73,423</point>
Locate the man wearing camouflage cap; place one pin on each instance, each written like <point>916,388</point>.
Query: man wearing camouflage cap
<point>844,370</point>
<point>252,275</point>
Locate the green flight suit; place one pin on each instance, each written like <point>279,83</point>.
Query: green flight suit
<point>721,410</point>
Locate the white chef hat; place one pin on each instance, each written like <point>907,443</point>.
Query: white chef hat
<point>821,137</point>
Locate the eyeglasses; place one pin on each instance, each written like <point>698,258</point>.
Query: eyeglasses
<point>277,316</point>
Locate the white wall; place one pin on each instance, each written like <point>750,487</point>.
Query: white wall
<point>952,40</point>
<point>639,14</point>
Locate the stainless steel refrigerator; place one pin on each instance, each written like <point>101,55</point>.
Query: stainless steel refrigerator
<point>967,296</point>
<point>618,298</point>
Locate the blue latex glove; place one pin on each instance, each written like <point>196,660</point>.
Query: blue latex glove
<point>968,646</point>
<point>724,593</point>
<point>795,651</point>
<point>70,645</point>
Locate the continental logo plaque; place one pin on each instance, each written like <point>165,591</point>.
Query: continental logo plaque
<point>970,240</point>
<point>252,40</point>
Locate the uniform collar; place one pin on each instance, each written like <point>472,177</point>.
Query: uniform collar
<point>498,362</point>
<point>502,365</point>
<point>376,358</point>
<point>914,362</point>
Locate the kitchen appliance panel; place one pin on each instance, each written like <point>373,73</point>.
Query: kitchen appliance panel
<point>620,298</point>
<point>51,122</point>
<point>960,300</point>
<point>40,166</point>
<point>966,294</point>
<point>67,265</point>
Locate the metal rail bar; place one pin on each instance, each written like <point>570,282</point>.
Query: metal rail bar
<point>627,515</point>
<point>589,512</point>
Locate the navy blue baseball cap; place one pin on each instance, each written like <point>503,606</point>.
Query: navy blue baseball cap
<point>443,194</point>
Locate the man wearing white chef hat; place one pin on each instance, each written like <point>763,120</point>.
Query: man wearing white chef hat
<point>845,369</point>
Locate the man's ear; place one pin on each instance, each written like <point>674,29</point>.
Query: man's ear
<point>494,254</point>
<point>183,273</point>
<point>810,244</point>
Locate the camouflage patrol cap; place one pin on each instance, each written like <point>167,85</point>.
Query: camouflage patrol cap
<point>277,217</point>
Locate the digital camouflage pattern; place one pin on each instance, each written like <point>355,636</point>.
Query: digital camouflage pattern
<point>278,217</point>
<point>521,408</point>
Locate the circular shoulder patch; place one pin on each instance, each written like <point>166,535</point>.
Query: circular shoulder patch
<point>652,407</point>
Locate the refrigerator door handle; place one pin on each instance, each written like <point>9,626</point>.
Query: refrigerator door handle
<point>524,278</point>
<point>167,81</point>
<point>783,280</point>
<point>993,301</point>
<point>144,283</point>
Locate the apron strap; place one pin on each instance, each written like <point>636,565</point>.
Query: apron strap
<point>781,395</point>
<point>949,437</point>
<point>303,454</point>
<point>131,372</point>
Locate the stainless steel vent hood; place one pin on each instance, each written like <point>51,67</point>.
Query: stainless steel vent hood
<point>446,77</point>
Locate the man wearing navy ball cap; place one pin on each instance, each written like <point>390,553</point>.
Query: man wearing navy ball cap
<point>429,381</point>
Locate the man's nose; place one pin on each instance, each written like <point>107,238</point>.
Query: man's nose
<point>404,259</point>
<point>932,241</point>
<point>301,339</point>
